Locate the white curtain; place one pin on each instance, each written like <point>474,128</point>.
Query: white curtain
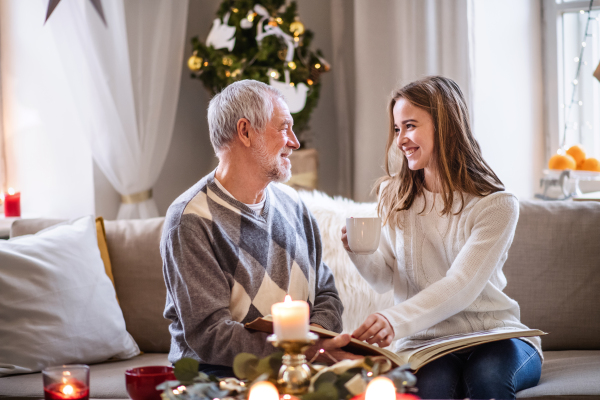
<point>125,80</point>
<point>394,42</point>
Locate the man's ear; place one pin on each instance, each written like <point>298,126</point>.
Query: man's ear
<point>243,131</point>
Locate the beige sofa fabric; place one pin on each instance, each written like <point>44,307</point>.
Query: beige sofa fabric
<point>133,246</point>
<point>553,271</point>
<point>569,374</point>
<point>107,380</point>
<point>137,267</point>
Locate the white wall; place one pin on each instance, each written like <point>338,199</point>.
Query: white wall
<point>508,91</point>
<point>48,157</point>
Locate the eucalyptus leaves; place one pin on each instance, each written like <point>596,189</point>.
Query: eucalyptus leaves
<point>342,380</point>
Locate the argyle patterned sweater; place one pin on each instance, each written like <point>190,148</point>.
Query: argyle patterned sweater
<point>224,265</point>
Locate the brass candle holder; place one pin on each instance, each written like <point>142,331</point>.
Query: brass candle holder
<point>294,374</point>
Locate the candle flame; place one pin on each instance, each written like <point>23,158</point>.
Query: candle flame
<point>68,389</point>
<point>288,299</point>
<point>380,388</point>
<point>11,191</point>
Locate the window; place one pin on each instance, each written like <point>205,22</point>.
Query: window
<point>572,98</point>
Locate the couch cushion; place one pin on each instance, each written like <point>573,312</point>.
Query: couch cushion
<point>65,311</point>
<point>133,246</point>
<point>567,374</point>
<point>107,380</point>
<point>134,251</point>
<point>553,271</point>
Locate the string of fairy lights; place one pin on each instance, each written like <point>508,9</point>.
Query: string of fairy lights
<point>575,81</point>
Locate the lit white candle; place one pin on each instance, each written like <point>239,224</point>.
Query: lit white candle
<point>263,391</point>
<point>290,319</point>
<point>381,388</point>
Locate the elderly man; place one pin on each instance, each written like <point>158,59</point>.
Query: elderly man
<point>238,241</point>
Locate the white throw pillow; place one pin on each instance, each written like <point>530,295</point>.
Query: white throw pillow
<point>57,305</point>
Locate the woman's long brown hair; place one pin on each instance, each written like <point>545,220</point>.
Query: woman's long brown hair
<point>457,155</point>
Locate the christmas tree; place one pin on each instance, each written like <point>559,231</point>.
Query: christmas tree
<point>262,40</point>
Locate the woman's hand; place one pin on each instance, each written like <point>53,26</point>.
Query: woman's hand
<point>345,239</point>
<point>375,330</point>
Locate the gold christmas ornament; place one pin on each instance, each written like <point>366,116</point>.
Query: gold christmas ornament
<point>227,74</point>
<point>250,16</point>
<point>206,63</point>
<point>235,10</point>
<point>292,65</point>
<point>273,73</point>
<point>317,66</point>
<point>297,27</point>
<point>236,73</point>
<point>272,22</point>
<point>195,62</point>
<point>227,61</point>
<point>292,84</point>
<point>309,81</point>
<point>279,20</point>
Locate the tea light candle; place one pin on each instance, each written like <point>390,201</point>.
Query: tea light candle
<point>67,382</point>
<point>263,391</point>
<point>381,388</point>
<point>12,203</point>
<point>290,319</point>
<point>68,390</point>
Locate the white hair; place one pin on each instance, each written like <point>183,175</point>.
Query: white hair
<point>248,99</point>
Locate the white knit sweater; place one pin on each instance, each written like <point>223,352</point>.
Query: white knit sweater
<point>446,271</point>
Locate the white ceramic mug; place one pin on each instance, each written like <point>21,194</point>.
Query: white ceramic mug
<point>363,234</point>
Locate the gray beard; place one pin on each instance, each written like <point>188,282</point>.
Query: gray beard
<point>273,170</point>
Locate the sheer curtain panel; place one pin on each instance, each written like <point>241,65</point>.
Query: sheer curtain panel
<point>125,78</point>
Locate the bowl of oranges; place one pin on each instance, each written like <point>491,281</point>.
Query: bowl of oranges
<point>575,159</point>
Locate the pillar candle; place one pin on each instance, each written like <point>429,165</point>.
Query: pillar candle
<point>290,319</point>
<point>12,204</point>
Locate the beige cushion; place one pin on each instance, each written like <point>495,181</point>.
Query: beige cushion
<point>569,374</point>
<point>134,251</point>
<point>107,380</point>
<point>553,271</point>
<point>133,246</point>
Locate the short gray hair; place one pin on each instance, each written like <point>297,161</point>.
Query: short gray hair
<point>248,99</point>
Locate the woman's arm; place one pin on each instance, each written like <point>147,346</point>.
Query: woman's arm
<point>377,268</point>
<point>492,225</point>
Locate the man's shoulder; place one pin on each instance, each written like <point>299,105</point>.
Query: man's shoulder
<point>193,201</point>
<point>285,192</point>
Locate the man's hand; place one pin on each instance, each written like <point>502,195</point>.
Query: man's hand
<point>375,330</point>
<point>333,348</point>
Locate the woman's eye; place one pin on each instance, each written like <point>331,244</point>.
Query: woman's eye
<point>408,126</point>
<point>397,130</point>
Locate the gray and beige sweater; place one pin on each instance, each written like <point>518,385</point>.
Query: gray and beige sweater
<point>224,265</point>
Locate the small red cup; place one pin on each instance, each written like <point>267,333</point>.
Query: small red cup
<point>141,382</point>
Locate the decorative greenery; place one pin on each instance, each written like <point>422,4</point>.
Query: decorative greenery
<point>249,59</point>
<point>340,381</point>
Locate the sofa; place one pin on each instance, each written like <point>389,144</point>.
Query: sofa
<point>553,271</point>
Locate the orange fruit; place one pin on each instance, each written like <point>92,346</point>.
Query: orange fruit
<point>560,161</point>
<point>590,164</point>
<point>578,153</point>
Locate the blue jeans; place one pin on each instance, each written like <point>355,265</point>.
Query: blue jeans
<point>495,370</point>
<point>220,371</point>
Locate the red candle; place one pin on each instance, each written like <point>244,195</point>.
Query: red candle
<point>12,204</point>
<point>71,390</point>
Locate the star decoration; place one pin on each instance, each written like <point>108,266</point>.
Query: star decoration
<point>96,3</point>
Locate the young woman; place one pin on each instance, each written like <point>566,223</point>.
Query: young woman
<point>448,225</point>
